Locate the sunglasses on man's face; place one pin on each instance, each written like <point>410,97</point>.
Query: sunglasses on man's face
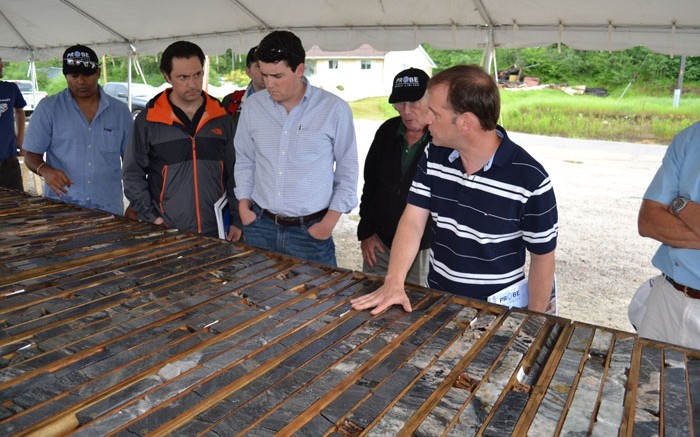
<point>274,52</point>
<point>271,51</point>
<point>402,106</point>
<point>81,63</point>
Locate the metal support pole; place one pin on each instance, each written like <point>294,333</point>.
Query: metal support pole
<point>128,81</point>
<point>32,73</point>
<point>679,85</point>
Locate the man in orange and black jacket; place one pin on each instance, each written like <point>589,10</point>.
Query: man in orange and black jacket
<point>180,156</point>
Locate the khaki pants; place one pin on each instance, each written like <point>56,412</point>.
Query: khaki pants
<point>671,316</point>
<point>418,274</point>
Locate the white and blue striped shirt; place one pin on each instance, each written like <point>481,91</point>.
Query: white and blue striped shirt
<point>301,162</point>
<point>483,223</point>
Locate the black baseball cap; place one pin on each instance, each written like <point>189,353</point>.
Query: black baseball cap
<point>80,59</point>
<point>409,86</point>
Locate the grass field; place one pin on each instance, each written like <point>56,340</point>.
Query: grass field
<point>634,118</point>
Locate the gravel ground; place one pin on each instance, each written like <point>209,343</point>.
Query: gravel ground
<point>601,260</point>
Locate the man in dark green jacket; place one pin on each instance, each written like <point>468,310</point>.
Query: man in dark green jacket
<point>389,169</point>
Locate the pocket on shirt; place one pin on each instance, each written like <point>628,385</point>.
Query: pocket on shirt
<point>313,147</point>
<point>110,141</point>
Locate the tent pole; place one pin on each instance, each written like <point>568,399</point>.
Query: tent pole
<point>205,84</point>
<point>32,75</point>
<point>139,70</point>
<point>495,66</point>
<point>489,58</point>
<point>104,69</point>
<point>679,85</point>
<point>128,80</point>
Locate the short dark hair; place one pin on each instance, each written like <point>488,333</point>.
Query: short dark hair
<point>282,45</point>
<point>471,89</point>
<point>179,49</point>
<point>251,57</point>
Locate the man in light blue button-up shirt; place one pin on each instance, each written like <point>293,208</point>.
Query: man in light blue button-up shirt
<point>84,133</point>
<point>296,157</point>
<point>670,214</point>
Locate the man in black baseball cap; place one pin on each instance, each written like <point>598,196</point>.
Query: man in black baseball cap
<point>409,86</point>
<point>390,165</point>
<point>83,133</point>
<point>80,59</point>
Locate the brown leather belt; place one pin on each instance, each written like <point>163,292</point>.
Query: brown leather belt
<point>293,221</point>
<point>690,292</point>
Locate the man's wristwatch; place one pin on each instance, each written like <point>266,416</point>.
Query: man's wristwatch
<point>678,204</point>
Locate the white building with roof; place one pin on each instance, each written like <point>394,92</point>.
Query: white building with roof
<point>363,72</point>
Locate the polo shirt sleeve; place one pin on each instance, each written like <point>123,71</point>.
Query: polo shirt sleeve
<point>540,222</point>
<point>19,98</point>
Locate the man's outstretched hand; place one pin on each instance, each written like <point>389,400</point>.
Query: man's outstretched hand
<point>385,296</point>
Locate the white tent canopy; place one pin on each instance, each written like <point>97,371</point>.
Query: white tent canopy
<point>42,29</point>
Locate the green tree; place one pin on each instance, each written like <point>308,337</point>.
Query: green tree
<point>447,58</point>
<point>596,68</point>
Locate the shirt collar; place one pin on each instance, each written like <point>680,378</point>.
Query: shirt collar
<point>500,157</point>
<point>454,155</point>
<point>401,131</point>
<point>307,93</point>
<point>309,89</point>
<point>102,104</point>
<point>250,90</point>
<point>504,153</point>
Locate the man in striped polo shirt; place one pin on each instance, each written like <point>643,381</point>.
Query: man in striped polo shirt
<point>490,202</point>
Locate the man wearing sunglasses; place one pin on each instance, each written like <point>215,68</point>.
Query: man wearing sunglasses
<point>83,133</point>
<point>296,157</point>
<point>390,166</point>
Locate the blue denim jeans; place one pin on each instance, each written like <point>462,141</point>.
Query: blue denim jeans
<point>289,240</point>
